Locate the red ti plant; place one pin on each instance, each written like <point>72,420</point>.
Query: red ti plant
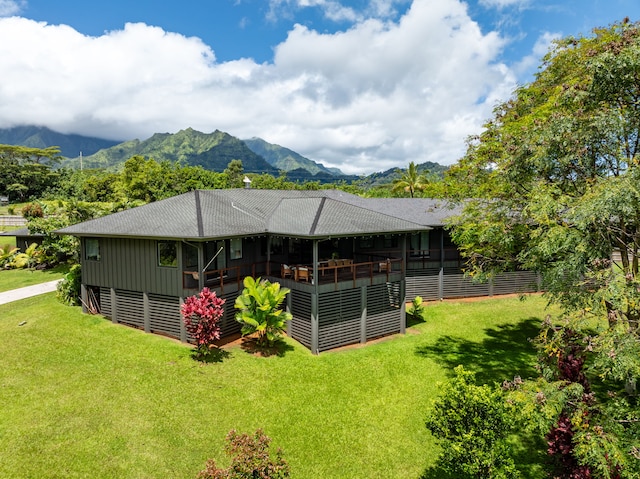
<point>201,314</point>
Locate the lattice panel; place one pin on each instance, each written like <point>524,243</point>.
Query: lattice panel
<point>301,322</point>
<point>105,302</point>
<point>515,282</point>
<point>164,315</point>
<point>130,308</point>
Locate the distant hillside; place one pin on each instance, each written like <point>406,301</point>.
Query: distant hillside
<point>288,160</point>
<point>386,177</point>
<point>212,151</point>
<point>41,137</point>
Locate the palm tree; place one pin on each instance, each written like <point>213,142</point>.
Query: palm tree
<point>410,181</point>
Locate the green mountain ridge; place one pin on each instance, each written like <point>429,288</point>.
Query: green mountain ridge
<point>287,160</point>
<point>212,151</point>
<point>71,145</point>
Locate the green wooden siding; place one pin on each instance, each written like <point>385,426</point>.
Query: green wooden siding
<point>131,264</point>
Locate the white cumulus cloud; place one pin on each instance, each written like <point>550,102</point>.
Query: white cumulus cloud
<point>375,96</point>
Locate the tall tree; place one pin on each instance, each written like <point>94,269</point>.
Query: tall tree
<point>27,172</point>
<point>411,181</point>
<point>554,181</point>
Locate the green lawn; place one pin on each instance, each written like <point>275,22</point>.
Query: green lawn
<point>17,278</point>
<point>82,397</point>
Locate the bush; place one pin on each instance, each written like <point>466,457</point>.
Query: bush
<point>250,459</point>
<point>32,210</point>
<point>416,310</point>
<point>68,290</point>
<point>473,423</point>
<point>201,315</point>
<point>7,253</point>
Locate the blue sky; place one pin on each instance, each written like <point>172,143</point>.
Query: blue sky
<point>363,85</point>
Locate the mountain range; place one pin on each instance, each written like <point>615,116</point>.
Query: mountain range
<point>212,151</point>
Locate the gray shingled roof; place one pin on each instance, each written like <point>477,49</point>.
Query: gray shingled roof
<point>204,214</point>
<point>20,232</point>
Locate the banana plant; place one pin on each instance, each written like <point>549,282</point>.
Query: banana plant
<point>259,310</point>
<point>7,253</point>
<point>28,259</point>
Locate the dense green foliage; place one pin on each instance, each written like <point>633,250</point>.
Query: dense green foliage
<point>27,172</point>
<point>68,290</point>
<point>473,424</point>
<point>555,185</point>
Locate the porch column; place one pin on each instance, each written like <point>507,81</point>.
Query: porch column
<point>315,265</point>
<point>200,266</point>
<point>268,255</point>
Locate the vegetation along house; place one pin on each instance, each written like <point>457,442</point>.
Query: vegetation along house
<point>350,262</point>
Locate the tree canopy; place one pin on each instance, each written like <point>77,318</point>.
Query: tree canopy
<point>552,184</point>
<point>27,172</point>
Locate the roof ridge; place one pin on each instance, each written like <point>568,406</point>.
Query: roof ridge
<point>199,214</point>
<point>323,199</point>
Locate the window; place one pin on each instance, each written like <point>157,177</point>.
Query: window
<point>420,244</point>
<point>167,253</point>
<point>236,248</point>
<point>92,249</point>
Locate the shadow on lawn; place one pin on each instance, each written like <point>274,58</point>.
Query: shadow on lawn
<point>216,355</point>
<point>505,353</point>
<point>279,348</point>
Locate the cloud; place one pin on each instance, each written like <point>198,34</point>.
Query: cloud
<point>11,7</point>
<point>526,67</point>
<point>376,96</point>
<point>334,10</point>
<point>500,4</point>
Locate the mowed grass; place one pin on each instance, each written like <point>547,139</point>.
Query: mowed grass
<point>18,278</point>
<point>81,397</point>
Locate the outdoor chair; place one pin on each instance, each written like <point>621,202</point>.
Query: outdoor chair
<point>285,271</point>
<point>384,266</point>
<point>303,274</point>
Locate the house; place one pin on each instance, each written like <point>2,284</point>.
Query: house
<point>24,238</point>
<point>350,262</point>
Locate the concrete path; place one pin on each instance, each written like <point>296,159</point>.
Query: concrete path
<point>28,291</point>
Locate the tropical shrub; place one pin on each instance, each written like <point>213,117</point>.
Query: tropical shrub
<point>472,424</point>
<point>26,259</point>
<point>32,210</point>
<point>416,310</point>
<point>250,459</point>
<point>201,314</point>
<point>7,253</point>
<point>68,290</point>
<point>259,310</point>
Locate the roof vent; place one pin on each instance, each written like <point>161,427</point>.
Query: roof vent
<point>247,183</point>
